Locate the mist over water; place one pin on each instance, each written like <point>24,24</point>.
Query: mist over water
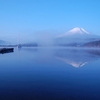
<point>75,37</point>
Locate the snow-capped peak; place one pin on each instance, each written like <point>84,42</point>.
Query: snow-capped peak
<point>78,30</point>
<point>74,31</point>
<point>85,31</point>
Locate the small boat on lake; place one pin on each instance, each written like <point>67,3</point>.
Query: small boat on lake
<point>6,50</point>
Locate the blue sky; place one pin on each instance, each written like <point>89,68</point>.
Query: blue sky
<point>31,17</point>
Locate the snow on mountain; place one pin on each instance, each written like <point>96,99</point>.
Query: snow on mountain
<point>75,31</point>
<point>74,37</point>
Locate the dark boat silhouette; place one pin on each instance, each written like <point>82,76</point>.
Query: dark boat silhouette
<point>6,50</point>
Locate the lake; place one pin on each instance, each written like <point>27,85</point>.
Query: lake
<point>50,74</point>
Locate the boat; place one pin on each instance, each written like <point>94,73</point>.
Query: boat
<point>6,50</point>
<point>19,46</point>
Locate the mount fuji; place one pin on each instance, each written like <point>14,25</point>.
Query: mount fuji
<point>75,37</point>
<point>75,31</point>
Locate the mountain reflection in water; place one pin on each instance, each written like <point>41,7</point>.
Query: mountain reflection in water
<point>41,74</point>
<point>77,57</point>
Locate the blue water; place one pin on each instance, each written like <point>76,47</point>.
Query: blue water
<point>50,74</point>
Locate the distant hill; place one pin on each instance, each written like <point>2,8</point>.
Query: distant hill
<point>92,44</point>
<point>2,42</point>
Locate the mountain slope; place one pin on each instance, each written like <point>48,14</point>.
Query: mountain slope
<point>75,31</point>
<point>75,37</point>
<point>2,42</point>
<point>92,44</point>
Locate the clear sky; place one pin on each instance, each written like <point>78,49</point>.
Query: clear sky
<point>31,17</point>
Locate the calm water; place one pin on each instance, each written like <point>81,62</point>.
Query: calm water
<point>50,74</point>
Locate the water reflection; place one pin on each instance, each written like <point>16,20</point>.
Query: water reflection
<point>30,49</point>
<point>77,57</point>
<point>38,74</point>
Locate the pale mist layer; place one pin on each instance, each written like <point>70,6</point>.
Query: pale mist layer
<point>74,37</point>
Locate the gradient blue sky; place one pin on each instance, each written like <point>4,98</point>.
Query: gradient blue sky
<point>31,17</point>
